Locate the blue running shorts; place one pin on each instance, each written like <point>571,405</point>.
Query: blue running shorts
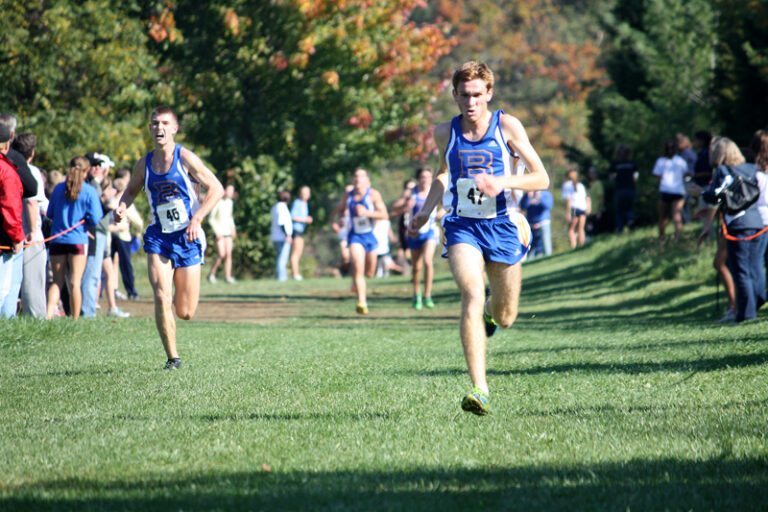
<point>417,243</point>
<point>367,240</point>
<point>505,239</point>
<point>173,246</point>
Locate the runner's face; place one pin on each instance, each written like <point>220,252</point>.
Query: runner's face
<point>425,179</point>
<point>360,180</point>
<point>472,98</point>
<point>163,128</point>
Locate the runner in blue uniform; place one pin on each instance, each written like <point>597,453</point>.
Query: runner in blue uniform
<point>422,245</point>
<point>364,206</point>
<point>483,160</point>
<point>173,240</point>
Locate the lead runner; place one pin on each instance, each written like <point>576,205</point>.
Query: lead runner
<point>172,240</point>
<point>483,158</point>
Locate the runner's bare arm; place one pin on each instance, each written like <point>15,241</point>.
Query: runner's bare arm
<point>380,209</point>
<point>535,179</point>
<point>134,186</point>
<point>214,191</point>
<point>439,184</point>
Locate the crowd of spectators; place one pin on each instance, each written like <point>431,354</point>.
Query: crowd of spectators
<point>65,273</point>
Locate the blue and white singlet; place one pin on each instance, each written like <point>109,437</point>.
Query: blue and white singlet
<point>360,225</point>
<point>172,196</point>
<point>427,230</point>
<point>466,158</point>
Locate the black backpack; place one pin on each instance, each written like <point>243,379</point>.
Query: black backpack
<point>739,195</point>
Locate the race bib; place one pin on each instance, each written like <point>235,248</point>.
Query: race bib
<point>173,216</point>
<point>473,203</point>
<point>362,224</point>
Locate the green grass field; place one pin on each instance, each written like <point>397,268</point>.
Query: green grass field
<point>613,391</point>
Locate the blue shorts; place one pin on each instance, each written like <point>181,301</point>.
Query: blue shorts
<point>173,246</point>
<point>504,239</point>
<point>417,243</point>
<point>367,240</point>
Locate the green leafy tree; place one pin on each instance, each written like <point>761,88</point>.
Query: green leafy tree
<point>318,87</point>
<point>662,62</point>
<point>78,75</point>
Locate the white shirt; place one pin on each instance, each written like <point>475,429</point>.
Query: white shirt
<point>381,229</point>
<point>577,194</point>
<point>281,218</point>
<point>42,205</point>
<point>672,172</point>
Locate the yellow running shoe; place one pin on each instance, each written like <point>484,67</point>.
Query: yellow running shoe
<point>362,308</point>
<point>476,402</point>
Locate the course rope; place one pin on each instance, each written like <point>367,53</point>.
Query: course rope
<point>4,248</point>
<point>736,239</point>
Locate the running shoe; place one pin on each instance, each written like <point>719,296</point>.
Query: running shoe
<point>211,278</point>
<point>362,308</point>
<point>230,280</point>
<point>428,302</point>
<point>417,302</point>
<point>172,363</point>
<point>490,325</point>
<point>476,402</point>
<point>120,295</point>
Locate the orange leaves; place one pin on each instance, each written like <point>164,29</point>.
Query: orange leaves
<point>231,21</point>
<point>163,27</point>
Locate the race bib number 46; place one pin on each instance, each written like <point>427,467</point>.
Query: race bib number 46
<point>362,224</point>
<point>173,216</point>
<point>473,203</point>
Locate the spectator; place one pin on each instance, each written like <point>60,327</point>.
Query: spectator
<point>577,208</point>
<point>52,179</point>
<point>759,147</point>
<point>382,230</point>
<point>109,272</point>
<point>70,203</point>
<point>122,238</point>
<point>744,232</point>
<point>702,173</point>
<point>223,224</point>
<point>538,210</point>
<point>35,257</point>
<point>597,202</point>
<point>400,209</point>
<point>8,123</point>
<point>11,229</point>
<point>97,243</point>
<point>301,218</point>
<point>623,172</point>
<point>282,231</point>
<point>671,169</point>
<point>687,153</point>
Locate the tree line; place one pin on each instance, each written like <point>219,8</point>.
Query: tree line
<point>300,92</point>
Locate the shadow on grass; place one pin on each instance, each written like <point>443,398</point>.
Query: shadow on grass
<point>717,484</point>
<point>696,365</point>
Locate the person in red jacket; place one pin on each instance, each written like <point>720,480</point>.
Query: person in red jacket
<point>11,230</point>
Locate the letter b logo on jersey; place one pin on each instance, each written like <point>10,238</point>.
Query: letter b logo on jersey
<point>475,161</point>
<point>167,190</point>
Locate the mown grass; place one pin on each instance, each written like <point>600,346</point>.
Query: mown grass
<point>613,391</point>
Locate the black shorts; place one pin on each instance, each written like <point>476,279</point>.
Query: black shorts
<point>577,212</point>
<point>666,197</point>
<point>296,234</point>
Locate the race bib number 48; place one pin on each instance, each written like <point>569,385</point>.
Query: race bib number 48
<point>173,216</point>
<point>473,203</point>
